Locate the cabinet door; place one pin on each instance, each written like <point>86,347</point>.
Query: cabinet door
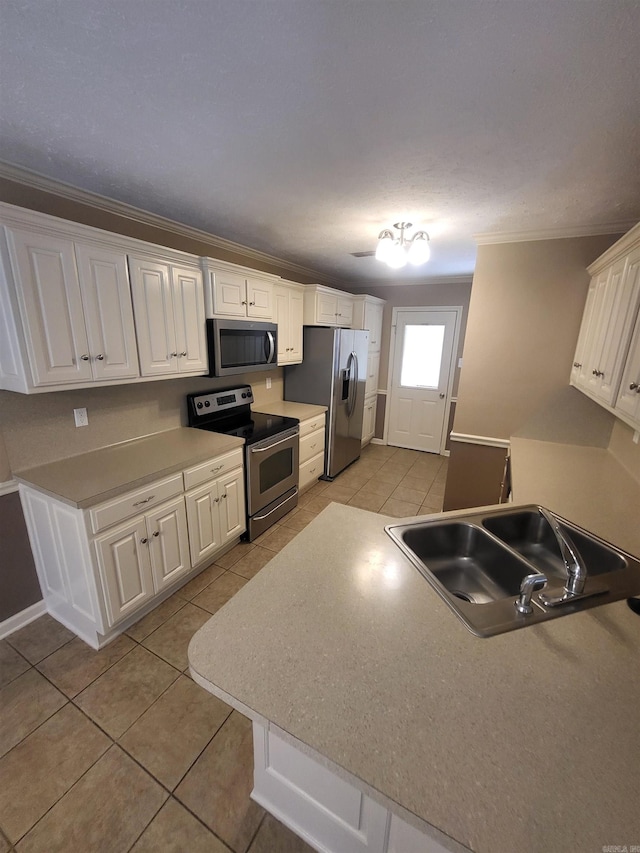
<point>326,309</point>
<point>344,311</point>
<point>281,308</point>
<point>188,309</point>
<point>106,297</point>
<point>259,299</point>
<point>203,516</point>
<point>229,293</point>
<point>628,400</point>
<point>625,283</point>
<point>580,370</point>
<point>155,323</point>
<point>125,569</point>
<point>232,507</point>
<point>373,368</point>
<point>373,321</point>
<point>49,290</point>
<point>369,419</point>
<point>168,542</point>
<point>296,313</point>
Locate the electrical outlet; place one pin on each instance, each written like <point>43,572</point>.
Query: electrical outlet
<point>81,417</point>
<point>268,382</point>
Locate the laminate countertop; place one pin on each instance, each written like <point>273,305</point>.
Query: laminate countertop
<point>584,484</point>
<point>524,741</point>
<point>287,409</point>
<point>91,478</point>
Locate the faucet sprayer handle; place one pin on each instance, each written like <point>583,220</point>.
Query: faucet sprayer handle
<point>528,586</point>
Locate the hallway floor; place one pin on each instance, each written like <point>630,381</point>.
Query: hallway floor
<point>119,750</point>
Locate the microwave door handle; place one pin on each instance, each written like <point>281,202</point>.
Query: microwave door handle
<point>272,348</point>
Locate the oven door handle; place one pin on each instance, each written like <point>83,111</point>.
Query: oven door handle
<point>272,348</point>
<point>270,446</point>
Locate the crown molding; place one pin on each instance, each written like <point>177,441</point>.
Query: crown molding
<point>431,280</point>
<point>59,188</point>
<point>552,233</point>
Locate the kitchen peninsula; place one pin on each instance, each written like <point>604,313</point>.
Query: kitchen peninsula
<point>340,651</point>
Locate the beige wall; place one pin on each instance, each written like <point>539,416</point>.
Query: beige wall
<point>5,468</point>
<point>39,428</point>
<point>626,451</point>
<point>419,295</point>
<point>524,316</point>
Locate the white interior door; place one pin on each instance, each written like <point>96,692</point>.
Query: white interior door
<point>420,378</point>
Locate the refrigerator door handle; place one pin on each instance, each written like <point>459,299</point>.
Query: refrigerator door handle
<point>353,382</point>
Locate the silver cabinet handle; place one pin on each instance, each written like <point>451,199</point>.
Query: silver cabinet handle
<point>597,373</point>
<point>100,357</point>
<point>84,358</point>
<point>145,501</point>
<point>216,469</point>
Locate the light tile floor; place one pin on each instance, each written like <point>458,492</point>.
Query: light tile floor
<point>119,750</point>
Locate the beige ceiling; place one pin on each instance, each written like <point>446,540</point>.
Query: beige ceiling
<point>303,127</point>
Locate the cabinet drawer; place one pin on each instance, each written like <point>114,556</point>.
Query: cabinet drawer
<point>311,445</point>
<point>310,471</point>
<point>212,468</point>
<point>134,503</point>
<point>311,425</point>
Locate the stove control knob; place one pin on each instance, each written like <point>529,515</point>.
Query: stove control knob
<point>244,395</point>
<point>206,404</point>
<point>248,393</point>
<point>198,405</point>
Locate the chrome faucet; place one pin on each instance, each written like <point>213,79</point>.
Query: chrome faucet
<point>527,588</point>
<point>571,557</point>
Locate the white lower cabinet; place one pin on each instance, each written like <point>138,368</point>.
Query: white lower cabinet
<point>369,418</point>
<point>312,439</point>
<point>215,512</point>
<point>328,812</point>
<point>102,568</point>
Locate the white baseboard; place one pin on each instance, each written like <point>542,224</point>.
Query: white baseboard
<point>378,441</point>
<point>19,620</point>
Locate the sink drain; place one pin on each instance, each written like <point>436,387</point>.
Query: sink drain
<point>462,595</point>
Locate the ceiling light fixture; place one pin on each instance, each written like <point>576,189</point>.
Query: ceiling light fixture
<point>396,251</point>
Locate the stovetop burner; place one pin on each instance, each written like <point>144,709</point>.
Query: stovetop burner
<point>228,411</point>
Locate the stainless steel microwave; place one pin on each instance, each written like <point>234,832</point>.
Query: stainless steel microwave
<point>241,346</point>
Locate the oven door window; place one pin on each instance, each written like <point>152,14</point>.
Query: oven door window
<point>275,469</point>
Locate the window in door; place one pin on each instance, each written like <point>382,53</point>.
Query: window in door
<point>422,356</point>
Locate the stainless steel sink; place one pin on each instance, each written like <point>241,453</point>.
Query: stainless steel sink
<point>476,562</point>
<point>528,533</point>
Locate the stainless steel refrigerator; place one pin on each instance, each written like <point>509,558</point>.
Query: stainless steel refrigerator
<point>333,374</point>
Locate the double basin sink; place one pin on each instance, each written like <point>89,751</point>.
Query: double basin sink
<point>477,562</point>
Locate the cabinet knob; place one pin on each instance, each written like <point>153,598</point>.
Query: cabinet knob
<point>173,355</point>
<point>252,303</point>
<point>84,358</point>
<point>155,534</point>
<point>597,373</point>
<point>634,387</point>
<point>577,364</point>
<point>144,540</point>
<point>99,357</point>
<point>244,301</point>
<point>183,354</point>
<point>223,497</point>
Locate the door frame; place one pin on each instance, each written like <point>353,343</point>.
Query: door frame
<point>457,309</point>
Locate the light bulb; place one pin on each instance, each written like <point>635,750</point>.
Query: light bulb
<point>385,246</point>
<point>397,256</point>
<point>419,250</point>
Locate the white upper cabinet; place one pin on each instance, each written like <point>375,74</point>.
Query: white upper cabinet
<point>604,357</point>
<point>288,307</point>
<point>367,314</point>
<point>324,306</point>
<point>75,306</point>
<point>106,297</point>
<point>234,291</point>
<point>66,310</point>
<point>169,308</point>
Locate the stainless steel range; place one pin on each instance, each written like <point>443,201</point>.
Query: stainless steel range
<point>271,450</point>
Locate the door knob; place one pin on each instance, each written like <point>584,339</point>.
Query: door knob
<point>442,396</point>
